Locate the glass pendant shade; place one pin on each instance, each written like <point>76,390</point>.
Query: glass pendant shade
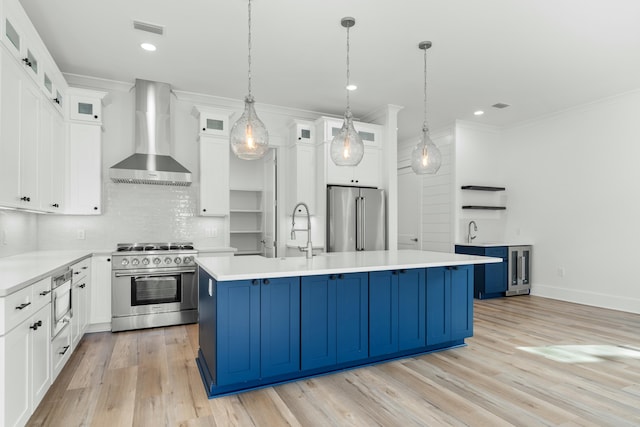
<point>249,136</point>
<point>426,157</point>
<point>347,148</point>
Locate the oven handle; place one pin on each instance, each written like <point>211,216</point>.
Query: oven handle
<point>147,273</point>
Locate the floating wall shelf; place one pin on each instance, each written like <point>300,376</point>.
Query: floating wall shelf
<point>481,188</point>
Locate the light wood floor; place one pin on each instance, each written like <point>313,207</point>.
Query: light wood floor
<point>149,378</point>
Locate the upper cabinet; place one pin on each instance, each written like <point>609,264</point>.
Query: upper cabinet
<point>301,185</point>
<point>85,108</point>
<point>214,160</point>
<point>367,172</point>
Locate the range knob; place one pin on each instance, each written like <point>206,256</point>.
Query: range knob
<point>125,261</point>
<point>135,261</point>
<point>145,261</point>
<point>156,261</point>
<point>167,260</point>
<point>187,259</point>
<point>177,260</point>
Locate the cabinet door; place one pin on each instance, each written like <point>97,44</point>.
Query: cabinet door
<point>383,306</point>
<point>352,317</point>
<point>59,162</point>
<point>10,84</point>
<point>99,307</point>
<point>85,166</point>
<point>438,306</point>
<point>207,313</point>
<point>496,274</point>
<point>214,176</point>
<point>318,322</point>
<point>29,116</point>
<point>411,312</point>
<point>16,372</point>
<point>45,158</point>
<point>85,109</point>
<point>238,331</point>
<point>279,326</point>
<point>461,289</point>
<point>367,173</point>
<point>40,354</point>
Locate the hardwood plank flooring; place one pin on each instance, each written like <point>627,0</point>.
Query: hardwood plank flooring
<point>531,362</point>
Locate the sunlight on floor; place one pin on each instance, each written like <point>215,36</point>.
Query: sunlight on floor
<point>584,353</point>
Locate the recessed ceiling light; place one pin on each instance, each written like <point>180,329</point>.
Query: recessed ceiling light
<point>352,87</point>
<point>478,113</point>
<point>148,46</point>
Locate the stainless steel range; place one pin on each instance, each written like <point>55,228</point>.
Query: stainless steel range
<point>153,284</point>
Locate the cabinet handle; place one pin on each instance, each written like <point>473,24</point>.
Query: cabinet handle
<point>36,325</point>
<point>55,205</point>
<point>56,100</point>
<point>43,293</point>
<point>23,305</point>
<point>76,272</point>
<point>25,199</point>
<point>82,285</point>
<point>415,239</point>
<point>26,62</point>
<point>84,267</point>
<point>266,281</point>
<point>64,349</point>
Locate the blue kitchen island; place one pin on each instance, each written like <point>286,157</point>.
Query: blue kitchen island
<point>265,321</point>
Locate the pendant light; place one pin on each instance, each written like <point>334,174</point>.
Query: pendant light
<point>426,157</point>
<point>249,137</point>
<point>346,147</point>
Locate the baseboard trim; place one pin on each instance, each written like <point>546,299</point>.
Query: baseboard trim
<point>613,302</point>
<point>99,327</point>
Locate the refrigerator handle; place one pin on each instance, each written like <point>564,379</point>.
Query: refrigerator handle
<point>358,223</point>
<point>363,211</point>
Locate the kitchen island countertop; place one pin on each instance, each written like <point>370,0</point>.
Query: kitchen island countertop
<point>258,267</point>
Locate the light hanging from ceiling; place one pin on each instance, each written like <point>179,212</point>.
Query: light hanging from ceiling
<point>347,148</point>
<point>249,137</point>
<point>426,157</point>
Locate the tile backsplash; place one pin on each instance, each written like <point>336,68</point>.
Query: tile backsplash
<point>18,232</point>
<point>134,213</point>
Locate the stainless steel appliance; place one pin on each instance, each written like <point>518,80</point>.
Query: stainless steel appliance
<point>61,311</point>
<point>153,284</point>
<point>519,282</point>
<point>356,219</point>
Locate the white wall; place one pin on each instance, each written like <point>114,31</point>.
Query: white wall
<point>574,189</point>
<point>18,232</point>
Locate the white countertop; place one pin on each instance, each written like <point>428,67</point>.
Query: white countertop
<point>216,249</point>
<point>19,271</point>
<point>257,267</point>
<point>493,244</point>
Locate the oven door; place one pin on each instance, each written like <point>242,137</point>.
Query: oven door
<point>61,311</point>
<point>144,292</point>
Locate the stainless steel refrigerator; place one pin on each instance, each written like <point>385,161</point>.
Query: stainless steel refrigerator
<point>356,219</point>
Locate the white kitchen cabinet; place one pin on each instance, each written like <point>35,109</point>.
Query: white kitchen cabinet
<point>60,351</point>
<point>302,177</point>
<point>51,159</point>
<point>100,294</point>
<point>85,108</point>
<point>81,282</point>
<point>214,160</point>
<point>26,367</point>
<point>10,88</point>
<point>29,122</point>
<point>84,186</point>
<point>214,176</point>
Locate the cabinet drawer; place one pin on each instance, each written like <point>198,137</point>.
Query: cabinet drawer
<point>41,293</point>
<point>15,309</point>
<point>60,350</point>
<point>81,269</point>
<point>498,252</point>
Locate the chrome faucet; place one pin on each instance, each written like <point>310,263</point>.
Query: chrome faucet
<point>475,228</point>
<point>309,248</point>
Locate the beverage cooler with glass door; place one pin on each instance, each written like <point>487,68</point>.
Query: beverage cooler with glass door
<point>519,275</point>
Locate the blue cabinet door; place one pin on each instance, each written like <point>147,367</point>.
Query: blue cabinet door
<point>238,331</point>
<point>383,310</point>
<point>495,275</point>
<point>207,321</point>
<point>352,317</point>
<point>318,322</point>
<point>411,309</point>
<point>438,302</point>
<point>449,303</point>
<point>279,326</point>
<point>461,301</point>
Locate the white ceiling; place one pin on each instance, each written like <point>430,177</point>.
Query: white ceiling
<point>540,56</point>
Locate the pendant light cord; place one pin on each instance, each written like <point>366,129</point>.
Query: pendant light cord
<point>348,73</point>
<point>424,125</point>
<point>249,45</point>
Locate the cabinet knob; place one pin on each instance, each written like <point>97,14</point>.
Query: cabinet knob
<point>340,276</point>
<point>254,282</point>
<point>204,129</point>
<point>95,208</point>
<point>266,281</point>
<point>95,117</point>
<point>394,272</point>
<point>332,277</point>
<point>204,210</point>
<point>108,259</point>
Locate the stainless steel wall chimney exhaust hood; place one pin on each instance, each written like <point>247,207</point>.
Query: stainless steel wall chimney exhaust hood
<point>151,163</point>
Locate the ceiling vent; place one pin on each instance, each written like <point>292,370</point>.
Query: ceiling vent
<point>149,28</point>
<point>501,105</point>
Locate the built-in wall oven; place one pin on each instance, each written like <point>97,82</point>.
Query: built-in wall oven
<point>153,284</point>
<point>62,310</point>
